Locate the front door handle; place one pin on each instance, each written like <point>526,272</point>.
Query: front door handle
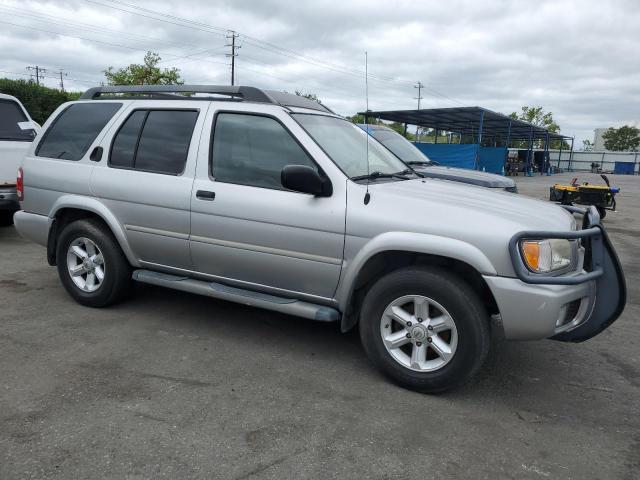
<point>205,195</point>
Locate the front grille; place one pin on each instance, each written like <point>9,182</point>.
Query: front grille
<point>513,189</point>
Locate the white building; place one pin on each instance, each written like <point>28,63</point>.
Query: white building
<point>598,141</point>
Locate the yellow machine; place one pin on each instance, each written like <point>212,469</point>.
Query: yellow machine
<point>603,197</point>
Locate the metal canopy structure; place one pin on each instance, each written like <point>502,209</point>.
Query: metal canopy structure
<point>474,125</point>
<point>473,121</point>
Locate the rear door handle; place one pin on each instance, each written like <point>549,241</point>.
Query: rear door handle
<point>205,195</point>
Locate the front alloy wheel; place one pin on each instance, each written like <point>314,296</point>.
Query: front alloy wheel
<point>425,328</point>
<point>419,333</point>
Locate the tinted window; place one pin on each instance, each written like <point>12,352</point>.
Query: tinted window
<point>124,145</point>
<point>75,129</point>
<point>154,141</point>
<point>165,139</point>
<point>10,115</point>
<point>253,150</point>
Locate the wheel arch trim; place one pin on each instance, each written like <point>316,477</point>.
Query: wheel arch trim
<point>410,243</point>
<point>96,207</point>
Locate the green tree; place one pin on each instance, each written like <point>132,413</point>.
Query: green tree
<point>147,73</point>
<point>310,96</point>
<point>587,146</point>
<point>623,139</point>
<point>39,101</point>
<point>538,117</point>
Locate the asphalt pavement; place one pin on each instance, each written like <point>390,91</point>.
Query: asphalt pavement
<point>172,385</point>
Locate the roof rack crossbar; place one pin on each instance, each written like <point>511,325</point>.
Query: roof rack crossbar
<point>249,94</point>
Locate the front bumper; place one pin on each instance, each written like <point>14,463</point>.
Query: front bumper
<point>534,312</point>
<point>572,307</point>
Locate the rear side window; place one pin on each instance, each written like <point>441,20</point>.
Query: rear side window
<point>10,115</point>
<point>74,130</point>
<point>252,150</point>
<point>154,141</point>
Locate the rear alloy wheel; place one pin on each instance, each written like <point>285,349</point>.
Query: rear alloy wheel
<point>85,264</point>
<point>91,265</point>
<point>425,328</point>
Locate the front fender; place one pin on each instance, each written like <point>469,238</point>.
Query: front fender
<point>95,206</point>
<point>409,242</point>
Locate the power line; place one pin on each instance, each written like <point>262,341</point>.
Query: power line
<point>91,39</point>
<point>79,80</point>
<point>210,29</point>
<point>52,19</point>
<point>173,19</point>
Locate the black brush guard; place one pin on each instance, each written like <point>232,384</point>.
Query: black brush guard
<point>601,264</point>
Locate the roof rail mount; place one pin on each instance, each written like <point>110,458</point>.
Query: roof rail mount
<point>236,93</point>
<point>250,94</point>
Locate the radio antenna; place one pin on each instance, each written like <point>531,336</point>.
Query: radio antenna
<point>367,196</point>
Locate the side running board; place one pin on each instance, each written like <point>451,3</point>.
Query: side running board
<point>289,306</point>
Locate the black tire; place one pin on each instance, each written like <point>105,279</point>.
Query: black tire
<point>602,212</point>
<point>116,283</point>
<point>460,301</point>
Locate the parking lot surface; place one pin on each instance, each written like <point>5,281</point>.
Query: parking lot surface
<point>172,385</point>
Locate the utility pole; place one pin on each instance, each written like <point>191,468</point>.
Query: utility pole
<point>231,36</point>
<point>62,74</point>
<point>419,97</point>
<point>39,72</point>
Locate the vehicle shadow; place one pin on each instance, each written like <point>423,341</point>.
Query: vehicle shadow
<point>553,377</point>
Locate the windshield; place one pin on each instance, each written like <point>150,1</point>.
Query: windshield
<point>346,145</point>
<point>399,146</point>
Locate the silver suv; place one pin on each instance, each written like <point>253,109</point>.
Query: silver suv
<point>271,200</point>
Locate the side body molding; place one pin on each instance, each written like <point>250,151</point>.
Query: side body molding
<point>409,242</point>
<point>95,206</point>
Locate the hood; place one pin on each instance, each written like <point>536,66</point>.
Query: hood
<point>462,175</point>
<point>485,218</point>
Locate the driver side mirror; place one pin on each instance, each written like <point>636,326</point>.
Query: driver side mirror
<point>304,179</point>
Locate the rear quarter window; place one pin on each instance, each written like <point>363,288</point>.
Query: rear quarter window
<point>74,130</point>
<point>155,141</point>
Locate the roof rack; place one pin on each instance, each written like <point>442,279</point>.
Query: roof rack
<point>239,93</point>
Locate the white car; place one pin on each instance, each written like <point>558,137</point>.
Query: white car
<point>17,131</point>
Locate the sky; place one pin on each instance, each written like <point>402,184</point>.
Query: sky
<point>577,59</point>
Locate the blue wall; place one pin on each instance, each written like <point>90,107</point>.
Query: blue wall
<point>465,156</point>
<point>451,155</point>
<point>492,159</point>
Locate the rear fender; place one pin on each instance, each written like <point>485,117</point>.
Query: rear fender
<point>95,206</point>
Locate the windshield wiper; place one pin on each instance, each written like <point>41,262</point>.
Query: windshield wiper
<point>410,171</point>
<point>377,174</point>
<point>419,162</point>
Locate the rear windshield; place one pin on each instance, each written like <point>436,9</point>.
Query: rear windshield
<point>72,133</point>
<point>10,115</point>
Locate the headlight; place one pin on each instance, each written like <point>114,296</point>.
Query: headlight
<point>544,256</point>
